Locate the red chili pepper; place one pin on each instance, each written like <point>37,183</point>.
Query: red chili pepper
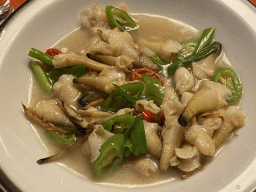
<point>147,116</point>
<point>136,74</point>
<point>53,52</point>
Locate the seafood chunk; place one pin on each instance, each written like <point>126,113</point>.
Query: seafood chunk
<point>67,91</point>
<point>184,80</point>
<point>173,136</point>
<point>153,140</point>
<point>164,49</point>
<point>233,118</point>
<point>187,158</point>
<point>105,80</point>
<point>117,43</point>
<point>210,97</point>
<point>144,104</point>
<point>51,112</point>
<point>73,59</point>
<point>96,139</point>
<point>201,137</point>
<point>123,62</point>
<point>145,167</point>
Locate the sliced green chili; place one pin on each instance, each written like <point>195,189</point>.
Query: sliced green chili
<point>187,49</point>
<point>228,77</point>
<point>115,101</point>
<point>77,71</point>
<point>138,137</point>
<point>41,56</point>
<point>205,39</point>
<point>186,62</point>
<point>67,128</point>
<point>126,95</point>
<point>119,18</point>
<point>157,60</point>
<point>127,147</point>
<point>42,77</point>
<point>120,124</point>
<point>62,138</point>
<point>153,89</point>
<point>111,156</point>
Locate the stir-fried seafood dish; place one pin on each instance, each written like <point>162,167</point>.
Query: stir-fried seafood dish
<point>143,94</point>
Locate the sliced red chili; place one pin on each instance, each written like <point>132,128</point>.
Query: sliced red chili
<point>53,52</point>
<point>136,74</point>
<point>147,116</point>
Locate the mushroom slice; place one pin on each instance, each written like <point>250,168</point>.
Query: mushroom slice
<point>72,115</point>
<point>72,59</point>
<point>210,97</point>
<point>33,117</point>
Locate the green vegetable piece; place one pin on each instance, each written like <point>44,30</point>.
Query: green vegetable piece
<point>119,18</point>
<point>157,60</point>
<point>67,128</point>
<point>127,95</point>
<point>187,49</point>
<point>228,77</point>
<point>127,147</point>
<point>77,71</point>
<point>42,77</point>
<point>115,101</point>
<point>41,56</point>
<point>205,39</point>
<point>138,137</point>
<point>120,124</point>
<point>111,156</point>
<point>186,62</point>
<point>62,138</point>
<point>153,89</point>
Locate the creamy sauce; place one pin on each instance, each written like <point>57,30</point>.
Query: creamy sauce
<point>77,160</point>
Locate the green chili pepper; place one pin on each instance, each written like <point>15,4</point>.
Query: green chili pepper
<point>157,60</point>
<point>127,147</point>
<point>41,56</point>
<point>153,89</point>
<point>111,156</point>
<point>62,138</point>
<point>120,124</point>
<point>228,77</point>
<point>138,137</point>
<point>77,71</point>
<point>119,18</point>
<point>42,77</point>
<point>186,62</point>
<point>67,128</point>
<point>205,39</point>
<point>187,49</point>
<point>115,101</point>
<point>127,95</point>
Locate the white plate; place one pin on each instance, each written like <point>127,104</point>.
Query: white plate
<point>41,23</point>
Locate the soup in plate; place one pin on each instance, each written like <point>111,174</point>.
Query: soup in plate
<point>133,99</point>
